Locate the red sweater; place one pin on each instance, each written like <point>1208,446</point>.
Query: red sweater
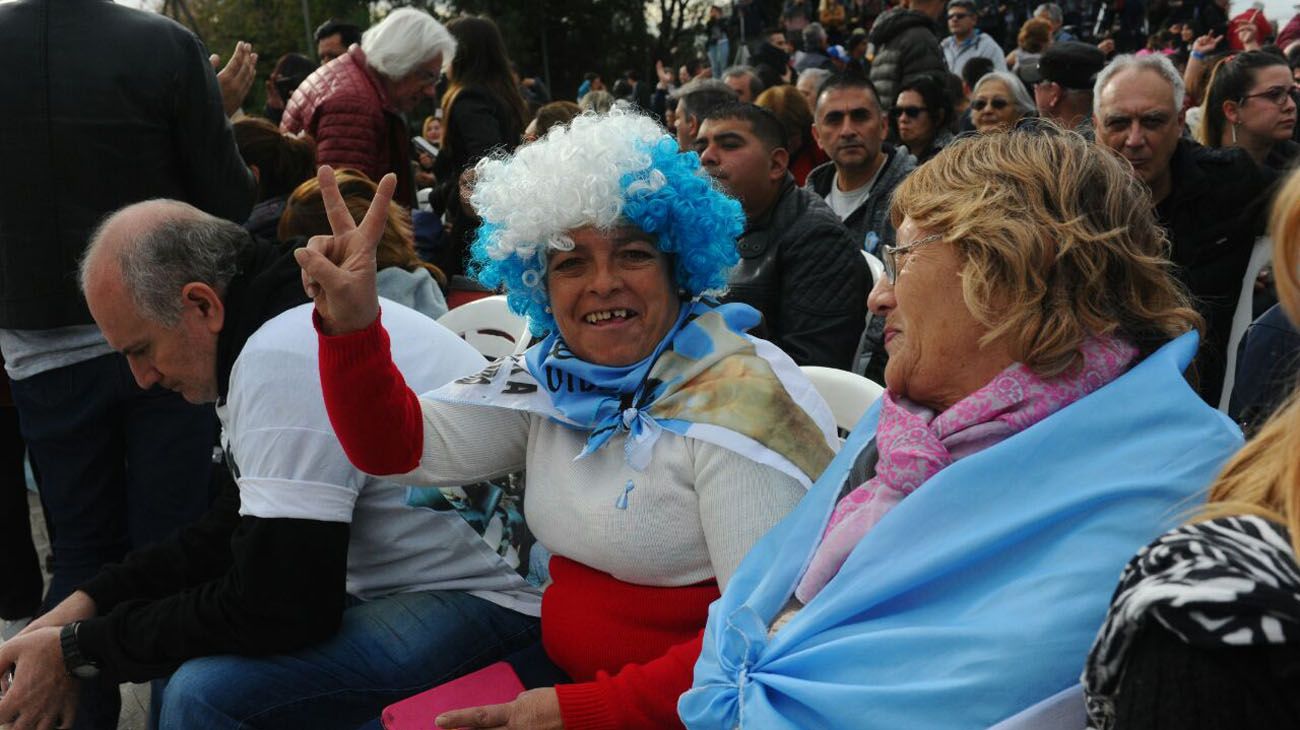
<point>630,648</point>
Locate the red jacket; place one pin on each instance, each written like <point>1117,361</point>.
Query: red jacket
<point>343,105</point>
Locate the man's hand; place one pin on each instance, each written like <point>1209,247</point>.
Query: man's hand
<point>665,75</point>
<point>77,607</point>
<point>536,709</point>
<point>237,77</point>
<point>1107,46</point>
<point>338,271</point>
<point>42,695</point>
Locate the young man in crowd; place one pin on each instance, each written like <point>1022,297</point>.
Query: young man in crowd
<point>798,265</point>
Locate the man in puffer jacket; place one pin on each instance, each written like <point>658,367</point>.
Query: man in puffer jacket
<point>906,44</point>
<point>353,105</point>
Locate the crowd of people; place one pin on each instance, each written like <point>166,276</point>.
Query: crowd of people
<point>1066,246</point>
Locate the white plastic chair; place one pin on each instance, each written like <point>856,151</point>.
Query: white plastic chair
<point>1064,710</point>
<point>876,265</point>
<point>489,326</point>
<point>848,395</point>
<point>1260,256</point>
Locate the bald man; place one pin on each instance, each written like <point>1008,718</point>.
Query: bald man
<point>307,580</point>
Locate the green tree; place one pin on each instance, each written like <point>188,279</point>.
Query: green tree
<point>274,27</point>
<point>559,40</point>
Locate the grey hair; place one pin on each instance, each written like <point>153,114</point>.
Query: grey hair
<point>701,95</point>
<point>817,75</point>
<point>755,83</point>
<point>1155,62</point>
<point>1021,98</point>
<point>405,40</point>
<point>814,36</point>
<point>1053,12</point>
<point>176,251</point>
<point>598,101</point>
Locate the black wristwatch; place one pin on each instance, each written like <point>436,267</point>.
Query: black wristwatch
<point>76,664</point>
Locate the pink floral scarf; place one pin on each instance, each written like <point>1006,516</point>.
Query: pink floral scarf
<point>914,443</point>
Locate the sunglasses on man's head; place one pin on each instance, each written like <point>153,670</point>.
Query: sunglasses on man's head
<point>997,102</point>
<point>911,112</point>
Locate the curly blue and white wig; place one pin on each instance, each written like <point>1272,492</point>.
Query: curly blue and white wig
<point>604,171</point>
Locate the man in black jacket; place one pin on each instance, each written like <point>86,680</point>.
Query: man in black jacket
<point>365,597</point>
<point>1210,201</point>
<point>107,106</point>
<point>858,183</point>
<point>907,46</point>
<point>797,264</point>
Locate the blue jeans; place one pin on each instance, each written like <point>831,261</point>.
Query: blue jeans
<point>120,468</point>
<point>385,651</point>
<point>718,54</point>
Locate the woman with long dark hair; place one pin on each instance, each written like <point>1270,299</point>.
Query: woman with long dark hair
<point>481,111</point>
<point>1250,105</point>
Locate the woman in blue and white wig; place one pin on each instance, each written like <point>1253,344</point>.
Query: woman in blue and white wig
<point>660,440</point>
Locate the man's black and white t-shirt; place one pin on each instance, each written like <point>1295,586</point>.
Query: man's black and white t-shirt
<point>289,464</point>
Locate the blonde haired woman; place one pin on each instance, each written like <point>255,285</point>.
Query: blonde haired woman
<point>402,276</point>
<point>1204,628</point>
<point>951,565</point>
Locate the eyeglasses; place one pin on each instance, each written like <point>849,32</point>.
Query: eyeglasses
<point>997,102</point>
<point>1276,94</point>
<point>890,255</point>
<point>427,77</point>
<point>911,112</point>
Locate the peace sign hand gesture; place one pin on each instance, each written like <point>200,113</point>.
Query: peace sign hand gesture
<point>1206,43</point>
<point>338,271</point>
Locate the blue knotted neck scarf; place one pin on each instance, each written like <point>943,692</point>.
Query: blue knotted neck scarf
<point>611,399</point>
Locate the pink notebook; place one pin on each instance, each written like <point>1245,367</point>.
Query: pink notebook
<point>490,685</point>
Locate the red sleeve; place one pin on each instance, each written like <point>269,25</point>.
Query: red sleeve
<point>350,133</point>
<point>374,414</point>
<point>639,696</point>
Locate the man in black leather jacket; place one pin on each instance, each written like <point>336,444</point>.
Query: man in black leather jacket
<point>1212,202</point>
<point>105,106</point>
<point>798,265</point>
<point>907,46</point>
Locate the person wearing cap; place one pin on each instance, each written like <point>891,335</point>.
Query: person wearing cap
<point>966,42</point>
<point>1063,82</point>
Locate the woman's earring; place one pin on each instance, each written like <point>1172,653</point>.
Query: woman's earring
<point>1234,132</point>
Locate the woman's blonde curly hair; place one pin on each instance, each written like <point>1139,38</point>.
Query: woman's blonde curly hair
<point>1059,240</point>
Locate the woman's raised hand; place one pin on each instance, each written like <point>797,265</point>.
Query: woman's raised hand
<point>338,271</point>
<point>1206,43</point>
